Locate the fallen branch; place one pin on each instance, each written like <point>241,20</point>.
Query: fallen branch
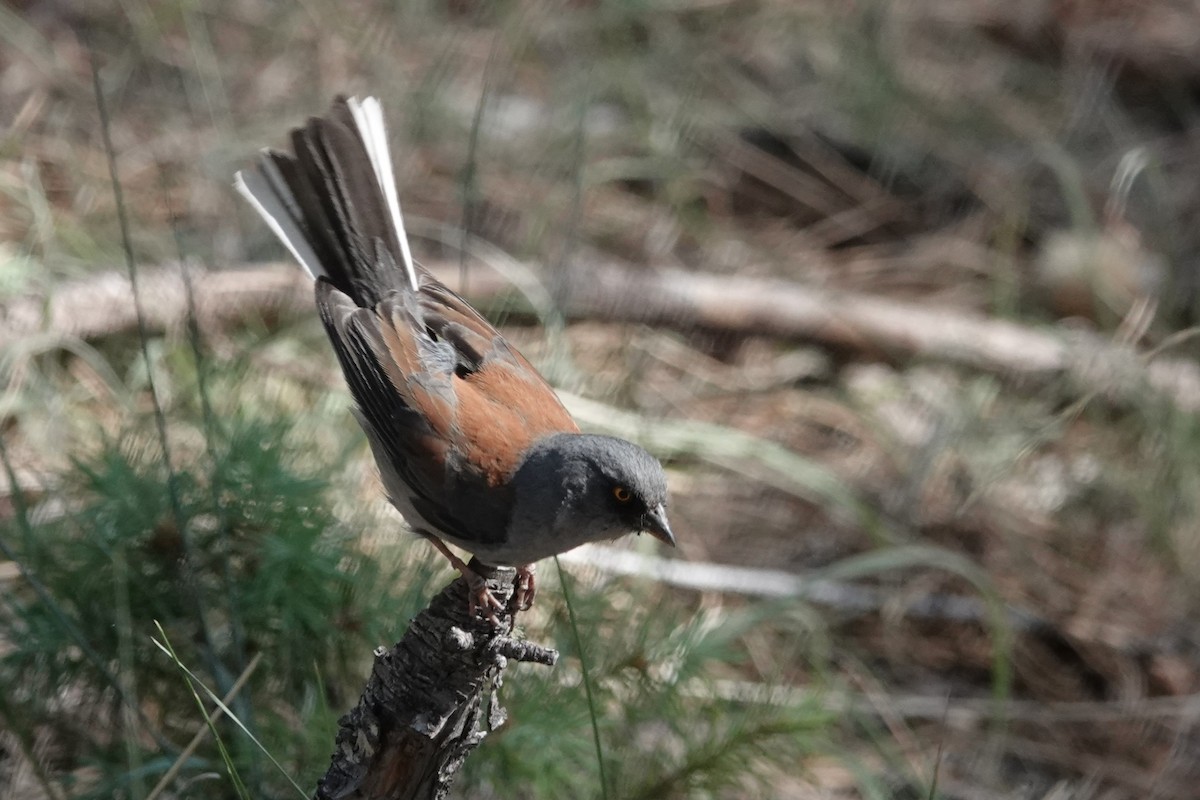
<point>845,597</point>
<point>867,325</point>
<point>102,305</point>
<point>422,711</point>
<point>878,327</point>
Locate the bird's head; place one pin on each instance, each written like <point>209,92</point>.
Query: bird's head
<point>576,488</point>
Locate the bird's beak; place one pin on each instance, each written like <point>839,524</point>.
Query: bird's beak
<point>655,523</point>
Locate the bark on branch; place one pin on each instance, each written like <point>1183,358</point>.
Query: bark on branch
<point>430,700</point>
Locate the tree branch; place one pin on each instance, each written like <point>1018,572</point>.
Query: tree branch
<point>422,711</point>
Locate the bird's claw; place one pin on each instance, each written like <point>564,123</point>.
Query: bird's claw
<point>480,600</point>
<point>526,589</point>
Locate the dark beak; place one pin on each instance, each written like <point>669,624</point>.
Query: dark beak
<point>654,522</point>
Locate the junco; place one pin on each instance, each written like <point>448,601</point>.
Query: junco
<point>473,447</point>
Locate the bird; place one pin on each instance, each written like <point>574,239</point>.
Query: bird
<point>473,446</point>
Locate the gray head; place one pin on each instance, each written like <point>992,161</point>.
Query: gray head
<point>574,488</point>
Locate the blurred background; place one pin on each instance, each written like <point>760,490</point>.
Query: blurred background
<point>902,294</point>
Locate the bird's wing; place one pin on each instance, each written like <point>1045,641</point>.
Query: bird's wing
<point>450,407</point>
<point>503,403</point>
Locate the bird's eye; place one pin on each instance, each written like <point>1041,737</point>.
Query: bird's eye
<point>622,494</point>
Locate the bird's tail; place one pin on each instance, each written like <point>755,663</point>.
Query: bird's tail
<point>333,203</point>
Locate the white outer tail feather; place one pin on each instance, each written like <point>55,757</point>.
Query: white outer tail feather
<point>369,117</point>
<point>271,205</point>
<point>268,193</point>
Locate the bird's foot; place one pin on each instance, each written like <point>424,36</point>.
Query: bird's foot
<point>526,589</point>
<point>480,600</point>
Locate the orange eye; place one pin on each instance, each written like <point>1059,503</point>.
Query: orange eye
<point>622,494</point>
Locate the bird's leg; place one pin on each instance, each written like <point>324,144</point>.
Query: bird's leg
<point>480,597</point>
<point>522,599</point>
